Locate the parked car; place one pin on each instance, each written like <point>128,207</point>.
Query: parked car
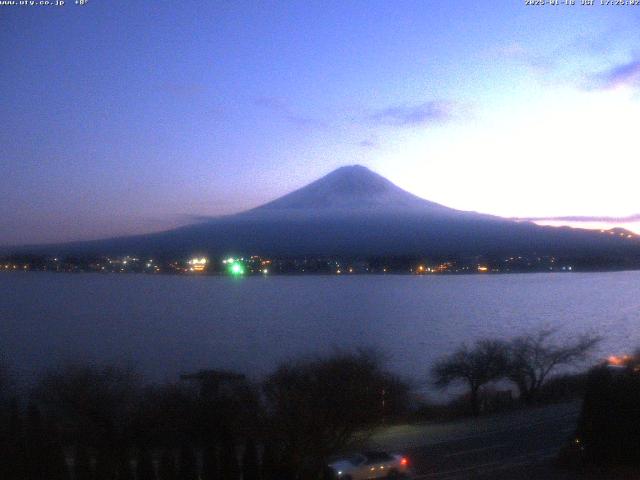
<point>371,465</point>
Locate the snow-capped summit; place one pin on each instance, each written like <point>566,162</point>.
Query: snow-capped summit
<point>350,188</point>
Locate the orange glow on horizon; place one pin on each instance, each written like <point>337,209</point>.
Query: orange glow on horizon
<point>631,226</point>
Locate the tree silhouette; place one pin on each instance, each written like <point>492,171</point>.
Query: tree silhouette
<point>533,357</point>
<point>144,467</point>
<point>13,452</point>
<point>486,362</point>
<point>316,407</point>
<point>269,464</point>
<point>187,463</point>
<point>167,467</point>
<point>250,468</point>
<point>229,469</point>
<point>210,464</point>
<point>54,457</point>
<point>82,464</point>
<point>5,383</point>
<point>124,471</point>
<point>105,464</point>
<point>96,404</point>
<point>36,461</point>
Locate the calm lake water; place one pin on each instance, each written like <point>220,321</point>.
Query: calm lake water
<point>165,325</point>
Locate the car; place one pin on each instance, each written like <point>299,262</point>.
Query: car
<point>371,465</point>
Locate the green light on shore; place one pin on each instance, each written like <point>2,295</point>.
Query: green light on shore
<point>236,268</point>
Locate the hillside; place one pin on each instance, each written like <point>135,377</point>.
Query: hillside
<point>354,211</point>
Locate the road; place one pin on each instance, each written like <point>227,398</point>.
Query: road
<point>516,445</point>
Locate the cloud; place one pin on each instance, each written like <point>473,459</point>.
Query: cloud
<point>284,110</point>
<point>515,52</point>
<point>624,74</point>
<point>370,142</point>
<point>433,112</point>
<point>366,143</point>
<point>578,218</point>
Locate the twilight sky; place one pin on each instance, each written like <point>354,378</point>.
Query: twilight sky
<point>127,117</point>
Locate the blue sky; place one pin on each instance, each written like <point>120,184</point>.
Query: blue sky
<point>127,117</point>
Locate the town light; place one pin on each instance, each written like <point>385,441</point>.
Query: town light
<point>236,268</point>
<point>616,361</point>
<point>197,264</point>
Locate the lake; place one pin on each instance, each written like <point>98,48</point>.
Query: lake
<point>165,325</point>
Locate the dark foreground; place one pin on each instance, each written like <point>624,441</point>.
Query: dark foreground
<point>517,445</point>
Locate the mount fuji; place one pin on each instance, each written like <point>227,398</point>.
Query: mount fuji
<point>354,211</point>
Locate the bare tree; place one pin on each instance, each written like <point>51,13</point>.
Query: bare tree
<point>6,381</point>
<point>477,366</point>
<point>316,407</point>
<point>533,357</point>
<point>93,405</point>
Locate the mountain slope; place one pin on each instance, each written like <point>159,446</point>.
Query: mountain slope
<point>353,211</point>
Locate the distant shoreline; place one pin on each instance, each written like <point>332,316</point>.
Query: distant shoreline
<point>321,274</point>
